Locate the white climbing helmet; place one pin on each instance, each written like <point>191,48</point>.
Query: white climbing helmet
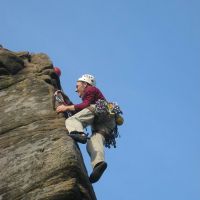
<point>88,79</point>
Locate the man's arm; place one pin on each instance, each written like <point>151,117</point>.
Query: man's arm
<point>87,100</point>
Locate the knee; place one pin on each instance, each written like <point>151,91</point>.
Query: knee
<point>68,120</point>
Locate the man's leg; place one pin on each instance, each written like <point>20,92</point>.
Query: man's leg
<point>95,148</point>
<point>76,124</point>
<point>79,121</point>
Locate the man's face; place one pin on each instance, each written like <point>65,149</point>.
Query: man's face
<point>80,88</point>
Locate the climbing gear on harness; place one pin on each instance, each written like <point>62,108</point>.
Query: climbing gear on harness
<point>103,107</point>
<point>80,137</point>
<point>103,111</point>
<point>88,78</point>
<point>98,171</point>
<point>111,139</point>
<point>119,120</point>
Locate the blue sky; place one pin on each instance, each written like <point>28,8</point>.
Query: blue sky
<point>145,56</point>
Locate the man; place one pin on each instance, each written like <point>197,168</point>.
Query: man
<point>85,115</point>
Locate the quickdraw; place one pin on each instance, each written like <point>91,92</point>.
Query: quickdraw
<point>61,98</point>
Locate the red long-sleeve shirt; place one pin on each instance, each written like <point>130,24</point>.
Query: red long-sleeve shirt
<point>92,94</point>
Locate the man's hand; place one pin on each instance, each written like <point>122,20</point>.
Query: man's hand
<point>61,108</point>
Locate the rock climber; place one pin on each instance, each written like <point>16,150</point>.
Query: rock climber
<point>91,112</point>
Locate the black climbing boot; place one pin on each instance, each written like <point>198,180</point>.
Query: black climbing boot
<point>98,171</point>
<point>79,137</point>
